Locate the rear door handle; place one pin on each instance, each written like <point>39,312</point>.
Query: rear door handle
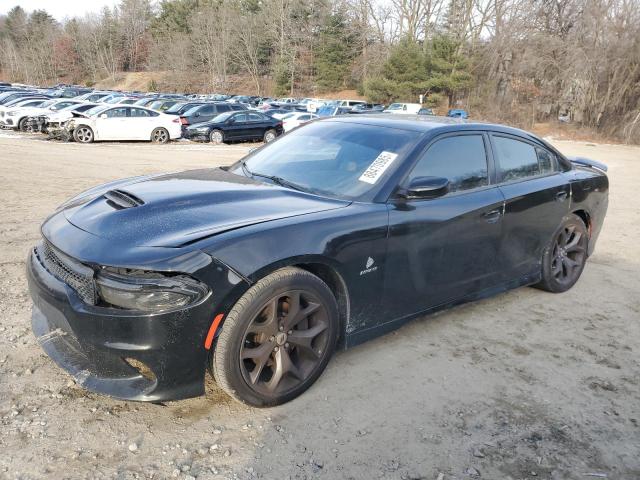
<point>561,196</point>
<point>492,216</point>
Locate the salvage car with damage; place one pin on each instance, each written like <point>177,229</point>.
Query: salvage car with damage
<point>332,235</point>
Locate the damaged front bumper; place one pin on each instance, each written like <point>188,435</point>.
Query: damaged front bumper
<point>127,355</point>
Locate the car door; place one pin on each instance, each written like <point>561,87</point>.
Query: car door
<point>237,128</point>
<point>537,197</point>
<point>256,125</point>
<point>446,248</point>
<point>141,123</point>
<point>112,124</point>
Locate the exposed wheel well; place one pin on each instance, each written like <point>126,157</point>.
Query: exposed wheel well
<point>337,285</point>
<point>585,218</point>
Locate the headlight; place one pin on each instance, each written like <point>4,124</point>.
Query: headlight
<point>12,113</point>
<point>149,292</point>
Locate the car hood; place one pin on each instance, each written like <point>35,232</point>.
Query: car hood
<point>176,209</point>
<point>33,111</point>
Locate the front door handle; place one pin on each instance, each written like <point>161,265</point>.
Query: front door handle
<point>492,216</point>
<point>561,196</point>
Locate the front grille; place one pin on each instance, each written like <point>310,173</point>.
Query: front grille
<point>78,276</point>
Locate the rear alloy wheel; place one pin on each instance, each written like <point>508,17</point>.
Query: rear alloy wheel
<point>269,136</point>
<point>565,258</point>
<point>216,137</point>
<point>277,339</point>
<point>160,135</point>
<point>83,134</point>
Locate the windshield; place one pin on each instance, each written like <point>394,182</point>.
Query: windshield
<point>179,107</point>
<point>344,160</point>
<point>395,106</point>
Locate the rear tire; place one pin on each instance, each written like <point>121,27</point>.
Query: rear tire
<point>160,135</point>
<point>269,136</point>
<point>83,134</point>
<point>277,339</point>
<point>564,259</point>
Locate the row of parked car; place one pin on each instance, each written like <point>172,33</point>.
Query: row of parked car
<point>85,115</point>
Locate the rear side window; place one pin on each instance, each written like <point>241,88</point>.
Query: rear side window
<point>223,108</point>
<point>461,159</point>
<point>138,112</point>
<point>517,160</point>
<point>117,112</point>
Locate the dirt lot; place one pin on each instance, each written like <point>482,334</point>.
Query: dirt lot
<point>525,385</point>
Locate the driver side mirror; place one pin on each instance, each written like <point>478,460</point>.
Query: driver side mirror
<point>426,187</point>
<point>231,121</point>
<point>103,115</point>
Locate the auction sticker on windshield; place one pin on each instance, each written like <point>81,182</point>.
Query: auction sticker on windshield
<point>378,167</point>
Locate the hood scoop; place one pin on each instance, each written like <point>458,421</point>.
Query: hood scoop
<point>119,199</point>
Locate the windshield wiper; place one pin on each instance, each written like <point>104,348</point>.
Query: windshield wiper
<point>274,178</point>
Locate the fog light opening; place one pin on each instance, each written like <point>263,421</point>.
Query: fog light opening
<point>141,367</point>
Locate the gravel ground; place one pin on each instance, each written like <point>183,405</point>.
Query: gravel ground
<point>526,385</point>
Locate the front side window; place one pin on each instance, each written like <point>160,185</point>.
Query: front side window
<point>254,117</point>
<point>545,159</point>
<point>240,118</point>
<point>516,159</point>
<point>461,159</point>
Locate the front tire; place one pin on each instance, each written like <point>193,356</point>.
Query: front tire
<point>564,259</point>
<point>83,134</point>
<point>216,137</point>
<point>277,339</point>
<point>160,135</point>
<point>22,124</point>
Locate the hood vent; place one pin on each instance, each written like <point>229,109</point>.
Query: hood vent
<point>120,199</point>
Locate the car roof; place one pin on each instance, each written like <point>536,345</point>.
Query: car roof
<point>422,123</point>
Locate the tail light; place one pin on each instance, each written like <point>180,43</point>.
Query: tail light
<point>184,121</point>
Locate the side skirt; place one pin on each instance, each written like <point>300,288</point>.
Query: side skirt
<point>362,336</point>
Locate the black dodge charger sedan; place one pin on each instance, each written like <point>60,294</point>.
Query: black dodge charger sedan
<point>333,234</point>
<point>235,126</point>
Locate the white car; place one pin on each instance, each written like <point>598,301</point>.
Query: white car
<point>295,119</point>
<point>107,122</point>
<point>21,103</point>
<point>17,118</point>
<point>66,113</point>
<point>313,104</point>
<point>350,103</point>
<point>404,108</point>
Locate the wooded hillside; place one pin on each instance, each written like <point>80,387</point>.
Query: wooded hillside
<point>518,61</point>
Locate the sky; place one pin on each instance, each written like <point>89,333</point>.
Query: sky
<point>59,9</point>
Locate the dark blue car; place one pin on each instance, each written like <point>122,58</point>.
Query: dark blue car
<point>334,234</point>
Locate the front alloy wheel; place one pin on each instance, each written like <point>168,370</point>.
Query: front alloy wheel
<point>216,137</point>
<point>277,339</point>
<point>83,134</point>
